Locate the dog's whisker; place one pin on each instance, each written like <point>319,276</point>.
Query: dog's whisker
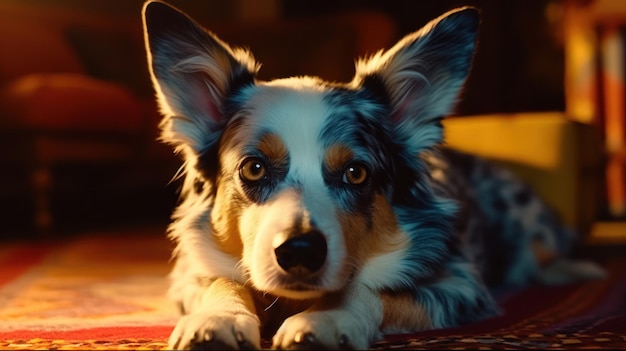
<point>272,304</point>
<point>179,174</point>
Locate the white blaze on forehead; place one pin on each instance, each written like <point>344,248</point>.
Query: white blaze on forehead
<point>295,111</point>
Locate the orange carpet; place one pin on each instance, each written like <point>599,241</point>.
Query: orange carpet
<point>99,291</point>
<point>106,290</point>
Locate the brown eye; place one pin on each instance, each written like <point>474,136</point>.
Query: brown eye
<point>354,174</point>
<point>253,170</point>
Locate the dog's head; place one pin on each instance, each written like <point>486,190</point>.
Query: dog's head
<point>304,179</point>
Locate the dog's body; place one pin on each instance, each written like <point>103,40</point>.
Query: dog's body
<point>326,215</point>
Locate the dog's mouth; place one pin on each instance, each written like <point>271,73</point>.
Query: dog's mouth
<point>299,286</point>
<point>289,288</point>
<point>306,287</point>
<point>296,288</point>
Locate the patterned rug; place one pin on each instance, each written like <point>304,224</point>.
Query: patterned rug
<point>107,291</point>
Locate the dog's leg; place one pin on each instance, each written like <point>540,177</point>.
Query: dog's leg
<point>457,298</point>
<point>221,315</point>
<point>553,269</point>
<point>348,319</point>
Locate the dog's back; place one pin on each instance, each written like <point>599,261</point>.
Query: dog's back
<point>509,232</point>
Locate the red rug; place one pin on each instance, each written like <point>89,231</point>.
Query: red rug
<point>107,291</point>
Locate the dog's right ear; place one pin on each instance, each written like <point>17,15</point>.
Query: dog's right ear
<point>193,73</point>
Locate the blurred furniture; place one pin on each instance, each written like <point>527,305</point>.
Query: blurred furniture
<point>54,109</point>
<point>75,91</point>
<point>595,85</point>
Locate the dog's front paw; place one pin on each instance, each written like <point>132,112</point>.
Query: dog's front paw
<point>216,331</point>
<point>331,330</point>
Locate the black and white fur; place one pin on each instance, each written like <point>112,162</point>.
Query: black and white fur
<point>325,215</point>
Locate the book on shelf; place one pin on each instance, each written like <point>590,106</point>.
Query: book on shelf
<point>612,113</point>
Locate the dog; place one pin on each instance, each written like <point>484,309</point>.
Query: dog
<point>326,215</point>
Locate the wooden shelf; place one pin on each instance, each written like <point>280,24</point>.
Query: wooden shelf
<point>608,232</point>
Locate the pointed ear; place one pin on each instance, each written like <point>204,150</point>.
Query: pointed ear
<point>421,76</point>
<point>193,73</point>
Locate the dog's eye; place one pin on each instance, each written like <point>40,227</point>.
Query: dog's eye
<point>354,173</point>
<point>253,170</point>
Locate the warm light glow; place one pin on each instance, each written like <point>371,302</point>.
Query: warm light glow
<point>613,80</point>
<point>612,47</point>
<point>580,79</point>
<point>608,230</point>
<point>534,139</point>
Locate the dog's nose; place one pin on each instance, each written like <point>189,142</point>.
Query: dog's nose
<point>302,254</point>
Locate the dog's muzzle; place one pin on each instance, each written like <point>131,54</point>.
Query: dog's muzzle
<point>302,255</point>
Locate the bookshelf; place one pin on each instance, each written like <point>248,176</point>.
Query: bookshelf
<point>595,91</point>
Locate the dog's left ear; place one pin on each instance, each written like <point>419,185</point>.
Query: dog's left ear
<point>421,76</point>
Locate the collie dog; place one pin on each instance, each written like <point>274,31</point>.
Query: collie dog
<point>325,215</point>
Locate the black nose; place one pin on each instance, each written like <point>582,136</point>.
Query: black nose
<point>302,254</point>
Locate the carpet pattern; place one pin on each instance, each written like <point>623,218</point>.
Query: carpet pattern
<point>107,291</point>
<point>582,316</point>
<point>99,291</point>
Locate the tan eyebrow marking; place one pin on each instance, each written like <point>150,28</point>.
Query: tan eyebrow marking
<point>337,156</point>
